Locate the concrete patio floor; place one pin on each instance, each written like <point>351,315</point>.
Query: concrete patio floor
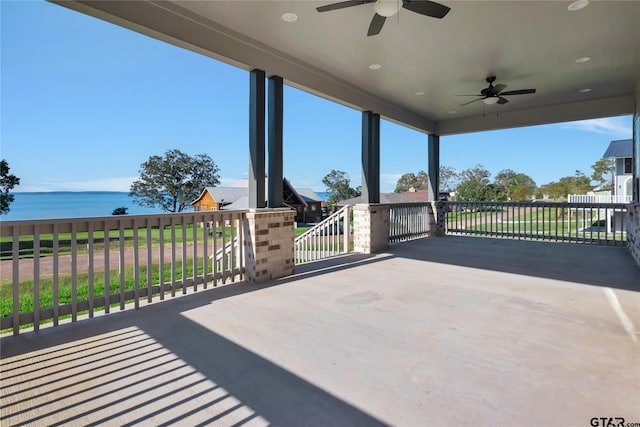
<point>443,331</point>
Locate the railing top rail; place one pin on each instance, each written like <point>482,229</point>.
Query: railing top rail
<point>550,204</point>
<point>116,217</point>
<point>323,222</point>
<point>112,221</point>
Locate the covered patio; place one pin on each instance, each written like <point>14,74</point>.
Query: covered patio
<point>447,331</point>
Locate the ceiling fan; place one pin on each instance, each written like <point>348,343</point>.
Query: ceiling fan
<point>387,8</point>
<point>495,95</point>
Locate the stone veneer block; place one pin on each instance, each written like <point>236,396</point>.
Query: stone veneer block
<point>269,252</point>
<point>633,230</point>
<point>371,228</point>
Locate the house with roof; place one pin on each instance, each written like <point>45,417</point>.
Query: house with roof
<point>409,196</point>
<point>621,151</point>
<point>306,202</point>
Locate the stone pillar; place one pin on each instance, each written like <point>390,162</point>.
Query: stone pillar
<point>370,228</point>
<point>268,244</point>
<point>632,227</point>
<point>437,218</point>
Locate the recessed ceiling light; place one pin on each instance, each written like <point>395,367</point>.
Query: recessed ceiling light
<point>289,17</point>
<point>578,4</point>
<point>583,59</point>
<point>452,112</point>
<point>419,93</point>
<point>585,90</point>
<point>375,66</point>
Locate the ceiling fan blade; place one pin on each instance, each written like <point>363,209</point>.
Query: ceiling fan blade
<point>499,88</point>
<point>376,25</point>
<point>342,5</point>
<point>518,92</point>
<point>469,95</point>
<point>467,103</point>
<point>502,100</point>
<point>426,7</point>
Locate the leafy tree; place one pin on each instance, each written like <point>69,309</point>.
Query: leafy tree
<point>7,182</point>
<point>172,181</point>
<point>419,181</point>
<point>338,187</point>
<point>602,170</point>
<point>522,188</point>
<point>448,178</point>
<point>579,183</point>
<point>514,186</point>
<point>503,183</point>
<point>475,185</point>
<point>120,211</point>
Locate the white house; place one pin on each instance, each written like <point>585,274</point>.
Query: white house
<point>622,151</point>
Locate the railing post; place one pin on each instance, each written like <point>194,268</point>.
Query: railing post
<point>268,244</point>
<point>438,219</point>
<point>370,228</point>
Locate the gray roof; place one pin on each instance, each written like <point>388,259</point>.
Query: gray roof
<point>227,195</point>
<point>384,198</point>
<point>619,148</point>
<point>309,195</point>
<point>241,203</point>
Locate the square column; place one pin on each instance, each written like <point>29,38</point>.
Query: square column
<point>268,244</point>
<point>433,149</point>
<point>256,139</point>
<point>370,157</point>
<point>275,143</point>
<point>370,228</point>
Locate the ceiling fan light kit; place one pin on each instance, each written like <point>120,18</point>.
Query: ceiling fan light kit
<point>386,8</point>
<point>494,94</point>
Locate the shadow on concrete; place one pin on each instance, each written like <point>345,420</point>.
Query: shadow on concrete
<point>263,388</point>
<point>579,263</point>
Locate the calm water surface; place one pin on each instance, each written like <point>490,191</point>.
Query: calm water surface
<point>72,204</point>
<point>65,204</point>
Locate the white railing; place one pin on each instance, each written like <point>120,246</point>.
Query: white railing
<point>597,198</point>
<point>408,221</point>
<point>328,238</point>
<point>63,268</point>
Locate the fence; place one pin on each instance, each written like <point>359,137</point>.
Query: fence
<point>408,221</point>
<point>598,198</point>
<point>599,223</point>
<point>67,267</point>
<point>328,238</point>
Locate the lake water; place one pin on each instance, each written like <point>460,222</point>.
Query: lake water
<point>63,204</point>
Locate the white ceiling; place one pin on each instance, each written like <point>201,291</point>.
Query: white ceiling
<point>526,44</point>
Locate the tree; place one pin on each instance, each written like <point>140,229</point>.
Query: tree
<point>522,188</point>
<point>503,183</point>
<point>448,178</point>
<point>475,185</point>
<point>579,183</point>
<point>171,182</point>
<point>120,211</point>
<point>510,185</point>
<point>339,187</point>
<point>602,170</point>
<point>7,182</point>
<point>419,181</point>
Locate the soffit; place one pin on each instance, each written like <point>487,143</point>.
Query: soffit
<point>526,44</point>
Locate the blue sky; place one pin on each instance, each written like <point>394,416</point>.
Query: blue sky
<point>84,103</point>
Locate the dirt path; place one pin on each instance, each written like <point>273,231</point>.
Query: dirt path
<point>26,265</point>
